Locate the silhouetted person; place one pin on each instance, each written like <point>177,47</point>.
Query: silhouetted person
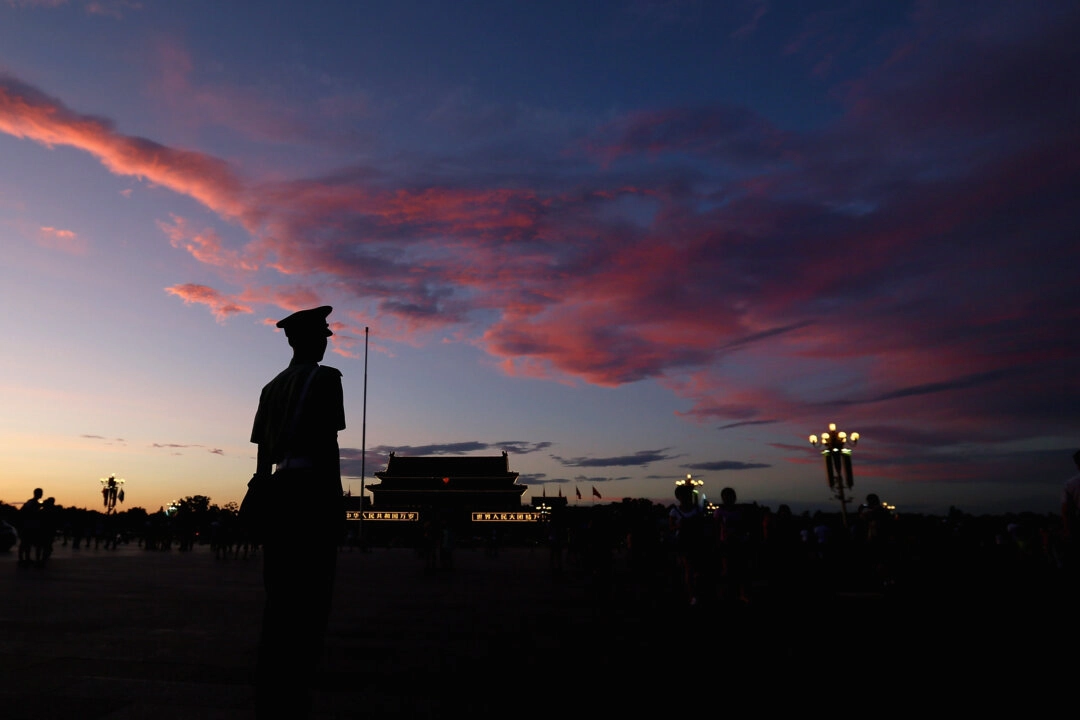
<point>733,525</point>
<point>1070,518</point>
<point>296,426</point>
<point>782,547</point>
<point>687,521</point>
<point>876,539</point>
<point>46,531</point>
<point>29,524</point>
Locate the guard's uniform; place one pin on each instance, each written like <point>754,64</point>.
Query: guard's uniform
<point>308,442</point>
<point>300,549</point>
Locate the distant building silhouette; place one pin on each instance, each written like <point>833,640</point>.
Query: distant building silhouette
<point>461,484</point>
<point>436,494</point>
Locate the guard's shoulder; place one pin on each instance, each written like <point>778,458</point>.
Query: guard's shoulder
<point>330,371</point>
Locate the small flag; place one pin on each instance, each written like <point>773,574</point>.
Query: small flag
<point>595,491</point>
<point>578,491</point>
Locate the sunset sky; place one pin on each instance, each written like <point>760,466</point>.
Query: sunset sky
<point>623,241</point>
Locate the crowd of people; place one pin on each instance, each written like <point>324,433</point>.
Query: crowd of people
<point>741,554</point>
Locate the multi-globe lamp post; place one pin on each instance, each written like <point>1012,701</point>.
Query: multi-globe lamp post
<point>112,489</point>
<point>837,453</point>
<point>693,483</point>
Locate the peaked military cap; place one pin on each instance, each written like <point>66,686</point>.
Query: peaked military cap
<point>307,322</point>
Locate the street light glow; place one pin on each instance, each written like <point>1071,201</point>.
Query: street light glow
<point>690,480</point>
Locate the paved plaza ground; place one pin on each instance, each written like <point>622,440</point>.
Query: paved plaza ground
<point>130,634</point>
<point>136,634</point>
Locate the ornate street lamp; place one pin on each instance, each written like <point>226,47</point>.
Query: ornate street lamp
<point>112,489</point>
<point>837,453</point>
<point>693,483</point>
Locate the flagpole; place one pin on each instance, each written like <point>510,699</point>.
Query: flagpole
<point>363,449</point>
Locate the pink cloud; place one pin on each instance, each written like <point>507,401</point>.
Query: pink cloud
<point>204,245</point>
<point>572,295</point>
<point>220,305</point>
<point>292,298</point>
<point>63,240</point>
<point>112,8</point>
<point>27,113</point>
